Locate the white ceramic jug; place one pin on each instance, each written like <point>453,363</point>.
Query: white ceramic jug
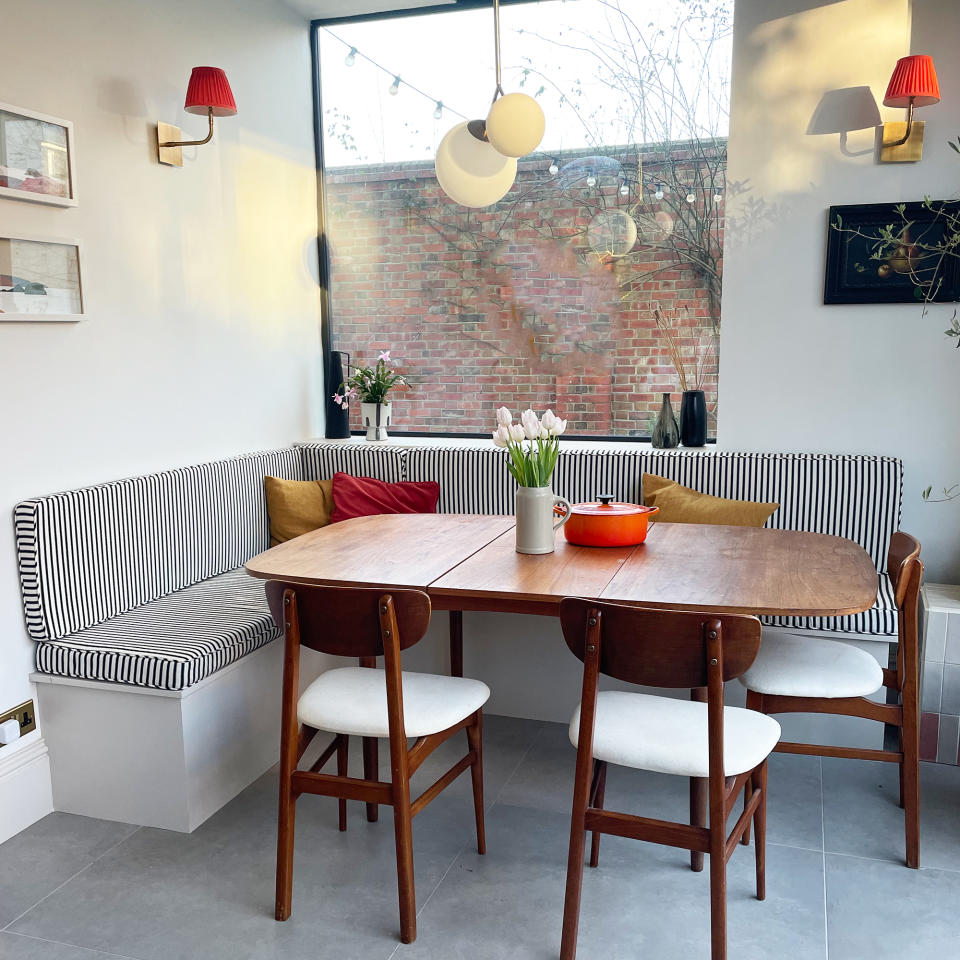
<point>535,519</point>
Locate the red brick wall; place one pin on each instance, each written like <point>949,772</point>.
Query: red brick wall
<point>506,305</point>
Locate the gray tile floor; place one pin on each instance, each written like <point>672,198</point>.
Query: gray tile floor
<point>78,889</point>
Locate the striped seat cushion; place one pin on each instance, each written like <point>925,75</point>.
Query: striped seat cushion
<point>170,643</point>
<point>472,479</point>
<point>320,461</point>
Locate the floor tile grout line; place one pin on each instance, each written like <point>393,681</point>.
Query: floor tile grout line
<point>64,943</point>
<point>823,839</point>
<point>459,853</point>
<point>60,886</point>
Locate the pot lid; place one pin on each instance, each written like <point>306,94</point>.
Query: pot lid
<point>607,507</point>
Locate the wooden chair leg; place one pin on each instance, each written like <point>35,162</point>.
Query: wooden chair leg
<point>698,816</point>
<point>343,747</point>
<point>456,643</point>
<point>598,803</point>
<point>910,773</point>
<point>571,902</point>
<point>900,765</point>
<point>285,848</point>
<point>371,768</point>
<point>403,831</point>
<point>759,779</point>
<point>718,899</point>
<point>475,742</point>
<point>747,792</point>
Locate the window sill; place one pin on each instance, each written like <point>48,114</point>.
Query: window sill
<point>567,444</point>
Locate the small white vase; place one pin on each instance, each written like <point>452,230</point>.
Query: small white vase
<point>535,519</point>
<point>376,418</point>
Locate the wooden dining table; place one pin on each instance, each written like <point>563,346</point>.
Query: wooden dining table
<point>468,562</point>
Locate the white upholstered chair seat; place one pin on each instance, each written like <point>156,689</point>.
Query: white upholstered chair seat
<point>812,667</point>
<point>353,700</point>
<point>666,735</point>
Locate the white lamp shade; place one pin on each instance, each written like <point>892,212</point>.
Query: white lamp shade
<point>515,125</point>
<point>470,171</point>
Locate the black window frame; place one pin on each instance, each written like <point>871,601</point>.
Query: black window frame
<point>323,250</point>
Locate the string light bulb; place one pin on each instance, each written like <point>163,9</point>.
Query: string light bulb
<point>438,113</point>
<point>591,181</point>
<point>717,195</point>
<point>351,58</point>
<point>395,87</point>
<point>624,190</point>
<point>658,193</point>
<point>553,169</point>
<point>690,197</point>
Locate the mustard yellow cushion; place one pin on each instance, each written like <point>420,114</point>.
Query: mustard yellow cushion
<point>297,506</point>
<point>680,504</point>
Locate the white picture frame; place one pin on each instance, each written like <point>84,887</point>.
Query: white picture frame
<point>20,298</point>
<point>44,157</point>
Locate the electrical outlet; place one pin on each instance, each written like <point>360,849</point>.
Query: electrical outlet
<point>24,715</point>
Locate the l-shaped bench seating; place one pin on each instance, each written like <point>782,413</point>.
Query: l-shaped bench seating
<point>150,633</point>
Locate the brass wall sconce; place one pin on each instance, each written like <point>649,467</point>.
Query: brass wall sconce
<point>913,84</point>
<point>207,93</point>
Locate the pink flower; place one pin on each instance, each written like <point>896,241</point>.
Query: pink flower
<point>384,356</point>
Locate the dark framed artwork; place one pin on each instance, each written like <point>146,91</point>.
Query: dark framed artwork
<point>887,253</point>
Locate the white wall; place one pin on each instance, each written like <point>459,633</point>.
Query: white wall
<point>202,330</point>
<point>795,374</point>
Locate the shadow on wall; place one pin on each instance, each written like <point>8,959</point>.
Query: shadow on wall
<point>844,111</point>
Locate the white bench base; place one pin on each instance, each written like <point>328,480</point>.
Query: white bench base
<point>163,758</point>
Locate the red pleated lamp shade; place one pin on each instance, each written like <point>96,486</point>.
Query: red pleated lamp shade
<point>913,78</point>
<point>208,88</point>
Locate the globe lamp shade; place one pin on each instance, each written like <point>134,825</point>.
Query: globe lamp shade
<point>515,125</point>
<point>209,90</point>
<point>470,171</point>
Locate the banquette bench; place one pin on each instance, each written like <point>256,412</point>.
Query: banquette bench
<point>157,682</point>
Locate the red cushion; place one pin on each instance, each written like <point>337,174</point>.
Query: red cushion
<point>365,497</point>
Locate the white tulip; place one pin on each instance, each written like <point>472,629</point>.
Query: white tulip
<point>549,421</point>
<point>516,432</point>
<point>501,437</point>
<point>531,425</point>
<point>504,417</point>
<point>561,425</point>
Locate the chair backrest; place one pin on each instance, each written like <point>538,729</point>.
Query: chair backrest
<point>659,648</point>
<point>346,621</point>
<point>903,566</point>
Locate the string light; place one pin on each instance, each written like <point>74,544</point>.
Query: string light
<point>717,196</point>
<point>352,55</point>
<point>624,190</point>
<point>690,197</point>
<point>438,113</point>
<point>658,193</point>
<point>553,169</point>
<point>591,181</point>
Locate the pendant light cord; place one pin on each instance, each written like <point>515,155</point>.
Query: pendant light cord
<point>496,48</point>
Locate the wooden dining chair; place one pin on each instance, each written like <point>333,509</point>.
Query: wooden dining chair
<point>727,745</point>
<point>813,675</point>
<point>368,702</point>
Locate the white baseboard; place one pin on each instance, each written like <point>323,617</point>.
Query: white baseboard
<point>26,794</point>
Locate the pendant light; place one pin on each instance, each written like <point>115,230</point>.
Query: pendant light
<point>477,161</point>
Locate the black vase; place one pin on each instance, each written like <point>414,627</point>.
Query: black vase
<point>338,418</point>
<point>693,418</point>
<point>665,433</point>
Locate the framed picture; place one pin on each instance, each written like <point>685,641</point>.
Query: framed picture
<point>36,157</point>
<point>40,279</point>
<point>888,253</point>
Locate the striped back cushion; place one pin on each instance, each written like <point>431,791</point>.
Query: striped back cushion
<point>472,479</point>
<point>857,497</point>
<point>320,461</point>
<point>88,555</point>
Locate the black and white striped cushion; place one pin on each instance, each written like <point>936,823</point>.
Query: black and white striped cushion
<point>170,643</point>
<point>91,554</point>
<point>320,461</point>
<point>472,479</point>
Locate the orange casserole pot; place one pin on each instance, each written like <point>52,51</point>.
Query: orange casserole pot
<point>608,524</point>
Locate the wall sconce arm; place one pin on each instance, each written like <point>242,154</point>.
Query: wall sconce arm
<point>193,143</point>
<point>906,136</point>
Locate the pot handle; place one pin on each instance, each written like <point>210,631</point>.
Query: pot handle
<point>565,503</point>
